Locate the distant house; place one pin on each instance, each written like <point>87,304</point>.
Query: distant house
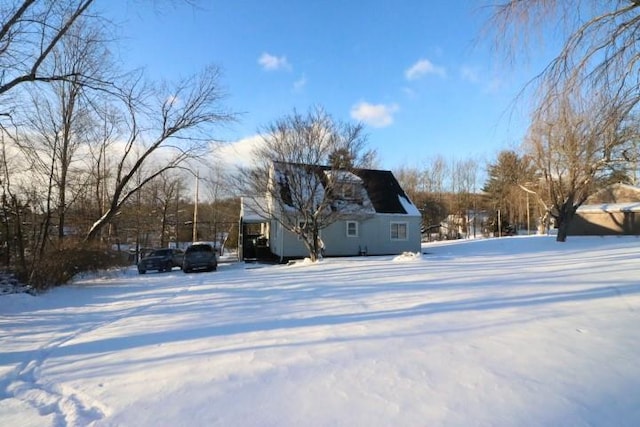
<point>614,210</point>
<point>376,218</point>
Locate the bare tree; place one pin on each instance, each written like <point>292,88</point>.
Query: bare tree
<point>60,117</point>
<point>218,193</point>
<point>436,170</point>
<point>410,179</point>
<point>178,130</point>
<point>290,170</point>
<point>29,32</point>
<point>575,143</point>
<point>160,197</point>
<point>466,178</point>
<point>599,48</point>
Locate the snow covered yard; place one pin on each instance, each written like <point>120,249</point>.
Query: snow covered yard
<point>502,332</point>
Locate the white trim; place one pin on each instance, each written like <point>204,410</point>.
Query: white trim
<point>406,231</point>
<point>357,231</point>
<point>610,208</point>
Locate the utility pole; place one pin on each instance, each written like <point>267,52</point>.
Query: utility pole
<point>195,212</point>
<point>528,219</point>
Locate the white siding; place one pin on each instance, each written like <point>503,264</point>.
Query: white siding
<point>374,236</point>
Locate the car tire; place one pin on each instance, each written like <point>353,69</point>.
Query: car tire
<point>142,271</point>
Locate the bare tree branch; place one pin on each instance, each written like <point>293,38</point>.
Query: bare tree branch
<point>300,168</point>
<point>191,107</point>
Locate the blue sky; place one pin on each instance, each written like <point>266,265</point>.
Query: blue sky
<point>417,73</point>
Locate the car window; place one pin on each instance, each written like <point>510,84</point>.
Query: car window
<point>200,248</point>
<point>161,252</point>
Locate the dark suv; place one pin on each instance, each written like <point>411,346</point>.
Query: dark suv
<point>162,260</point>
<point>200,256</point>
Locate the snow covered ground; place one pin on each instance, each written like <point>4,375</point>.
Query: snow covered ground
<point>519,331</point>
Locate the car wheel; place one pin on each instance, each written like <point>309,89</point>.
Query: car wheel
<point>186,270</point>
<point>142,271</point>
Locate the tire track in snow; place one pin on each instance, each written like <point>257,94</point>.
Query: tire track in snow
<point>66,405</point>
<point>622,297</point>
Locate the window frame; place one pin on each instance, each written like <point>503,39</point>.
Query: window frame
<point>397,225</point>
<point>357,229</point>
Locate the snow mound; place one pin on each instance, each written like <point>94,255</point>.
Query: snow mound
<point>10,285</point>
<point>407,257</point>
<point>302,262</point>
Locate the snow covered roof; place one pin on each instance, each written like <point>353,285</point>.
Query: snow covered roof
<point>610,208</point>
<point>382,192</point>
<point>385,192</point>
<point>342,175</point>
<point>615,193</point>
<point>251,207</point>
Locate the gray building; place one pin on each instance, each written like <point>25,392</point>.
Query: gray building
<point>376,218</point>
<point>614,210</point>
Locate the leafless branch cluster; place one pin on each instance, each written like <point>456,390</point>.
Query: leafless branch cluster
<point>285,174</point>
<point>80,135</point>
<point>586,102</point>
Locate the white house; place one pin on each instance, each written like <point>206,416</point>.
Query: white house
<point>376,218</point>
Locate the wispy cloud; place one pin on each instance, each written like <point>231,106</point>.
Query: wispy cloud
<point>469,74</point>
<point>299,84</point>
<point>273,63</point>
<point>376,115</point>
<point>481,78</point>
<point>172,101</point>
<point>422,68</point>
<point>238,153</point>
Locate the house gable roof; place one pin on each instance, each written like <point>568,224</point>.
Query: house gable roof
<point>382,188</point>
<point>385,192</point>
<point>609,208</point>
<point>613,198</point>
<point>615,193</point>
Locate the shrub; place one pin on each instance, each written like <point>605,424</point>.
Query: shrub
<point>60,264</point>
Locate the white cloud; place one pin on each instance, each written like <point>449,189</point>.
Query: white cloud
<point>273,63</point>
<point>238,153</point>
<point>172,100</point>
<point>299,84</point>
<point>477,76</point>
<point>409,92</point>
<point>494,85</point>
<point>376,115</point>
<point>469,74</point>
<point>422,68</point>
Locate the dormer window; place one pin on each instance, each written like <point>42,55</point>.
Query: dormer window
<point>348,190</point>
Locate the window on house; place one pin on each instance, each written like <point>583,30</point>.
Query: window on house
<point>352,229</point>
<point>348,191</point>
<point>399,231</point>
